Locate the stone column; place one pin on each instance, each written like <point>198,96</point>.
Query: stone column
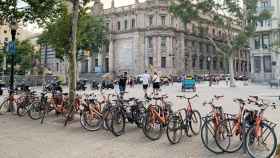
<point>111,56</point>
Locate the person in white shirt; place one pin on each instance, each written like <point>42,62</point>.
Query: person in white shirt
<point>145,82</point>
<point>156,83</point>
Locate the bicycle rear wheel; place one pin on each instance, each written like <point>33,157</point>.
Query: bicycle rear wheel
<point>90,122</point>
<point>152,129</point>
<point>265,145</point>
<point>4,106</point>
<point>21,110</point>
<point>174,128</point>
<point>195,122</point>
<point>36,110</point>
<point>118,123</point>
<point>228,136</point>
<point>208,136</point>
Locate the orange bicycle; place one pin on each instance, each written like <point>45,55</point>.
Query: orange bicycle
<point>157,117</point>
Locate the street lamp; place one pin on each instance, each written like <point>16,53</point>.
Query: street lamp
<point>13,27</point>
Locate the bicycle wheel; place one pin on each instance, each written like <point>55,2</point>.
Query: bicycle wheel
<point>35,111</point>
<point>90,122</point>
<point>228,135</point>
<point>4,106</point>
<point>264,146</point>
<point>174,128</point>
<point>195,122</point>
<point>21,110</point>
<point>118,122</point>
<point>208,136</point>
<point>152,128</point>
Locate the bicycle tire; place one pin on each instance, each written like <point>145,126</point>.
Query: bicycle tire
<point>21,110</point>
<point>205,129</point>
<point>225,126</point>
<point>118,114</point>
<point>195,119</point>
<point>85,122</point>
<point>248,141</point>
<point>4,106</point>
<point>37,108</point>
<point>147,127</point>
<point>174,124</point>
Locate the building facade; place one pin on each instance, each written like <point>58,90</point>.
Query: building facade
<point>146,36</point>
<point>265,52</point>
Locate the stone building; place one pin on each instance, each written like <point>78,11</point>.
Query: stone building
<point>146,36</point>
<point>265,56</point>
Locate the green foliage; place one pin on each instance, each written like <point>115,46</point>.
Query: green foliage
<point>91,34</point>
<point>25,55</point>
<point>40,11</point>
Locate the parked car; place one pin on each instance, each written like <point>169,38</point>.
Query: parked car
<point>94,85</point>
<point>81,85</point>
<point>241,78</point>
<point>107,84</point>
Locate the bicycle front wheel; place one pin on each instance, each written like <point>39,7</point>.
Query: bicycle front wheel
<point>4,107</point>
<point>90,121</point>
<point>118,123</point>
<point>228,135</point>
<point>35,112</point>
<point>262,146</point>
<point>174,128</point>
<point>208,136</point>
<point>195,122</point>
<point>152,129</point>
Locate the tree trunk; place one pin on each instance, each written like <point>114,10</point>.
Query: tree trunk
<point>72,59</point>
<point>231,70</point>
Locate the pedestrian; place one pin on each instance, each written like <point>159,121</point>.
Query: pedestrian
<point>145,82</point>
<point>122,83</point>
<point>156,83</point>
<point>227,80</point>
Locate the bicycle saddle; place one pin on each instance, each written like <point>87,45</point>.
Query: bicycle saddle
<point>218,96</point>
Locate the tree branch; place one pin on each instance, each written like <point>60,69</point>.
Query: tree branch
<point>215,45</point>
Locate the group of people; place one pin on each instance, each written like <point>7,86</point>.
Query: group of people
<point>147,80</point>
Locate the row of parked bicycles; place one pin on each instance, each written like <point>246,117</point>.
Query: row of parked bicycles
<point>220,132</point>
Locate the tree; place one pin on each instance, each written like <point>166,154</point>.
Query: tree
<point>237,19</point>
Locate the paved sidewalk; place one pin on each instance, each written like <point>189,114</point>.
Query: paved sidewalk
<point>25,138</point>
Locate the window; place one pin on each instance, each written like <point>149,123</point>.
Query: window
<point>108,25</point>
<point>57,67</point>
<point>162,20</point>
<point>119,26</point>
<point>186,43</point>
<point>201,47</point>
<point>151,61</point>
<point>208,64</point>
<point>125,25</point>
<point>257,42</point>
<point>5,31</point>
<point>150,42</point>
<point>193,61</point>
<point>265,41</point>
<point>221,64</point>
<point>172,20</point>
<point>267,63</point>
<point>133,23</point>
<point>215,63</point>
<point>6,39</point>
<point>261,23</point>
<point>151,20</point>
<point>213,32</point>
<point>208,48</point>
<point>163,42</point>
<point>257,64</point>
<point>163,62</point>
<point>96,62</point>
<point>201,59</point>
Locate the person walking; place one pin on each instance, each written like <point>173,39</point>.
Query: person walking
<point>122,83</point>
<point>145,82</point>
<point>156,83</point>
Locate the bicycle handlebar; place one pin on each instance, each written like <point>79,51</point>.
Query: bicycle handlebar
<point>189,98</point>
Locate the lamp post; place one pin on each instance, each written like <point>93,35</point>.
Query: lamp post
<point>13,27</point>
<point>209,69</point>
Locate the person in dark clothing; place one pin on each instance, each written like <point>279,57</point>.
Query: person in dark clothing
<point>122,82</point>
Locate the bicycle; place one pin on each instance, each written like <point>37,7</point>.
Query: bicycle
<point>192,121</point>
<point>123,111</point>
<point>257,137</point>
<point>24,106</point>
<point>9,101</point>
<point>94,113</point>
<point>210,125</point>
<point>157,117</point>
